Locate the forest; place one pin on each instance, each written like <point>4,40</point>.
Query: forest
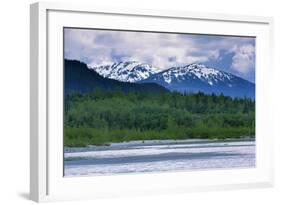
<point>100,118</point>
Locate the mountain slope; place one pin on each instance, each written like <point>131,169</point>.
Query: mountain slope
<point>198,77</point>
<point>79,78</point>
<point>129,71</point>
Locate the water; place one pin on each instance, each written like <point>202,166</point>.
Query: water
<point>157,156</point>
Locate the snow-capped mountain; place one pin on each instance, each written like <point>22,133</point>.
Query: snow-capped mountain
<point>200,72</point>
<point>129,71</point>
<point>189,78</point>
<point>198,77</point>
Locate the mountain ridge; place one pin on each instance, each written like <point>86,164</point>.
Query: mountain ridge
<point>190,78</point>
<point>79,78</point>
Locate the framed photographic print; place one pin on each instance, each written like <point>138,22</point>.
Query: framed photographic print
<point>130,102</point>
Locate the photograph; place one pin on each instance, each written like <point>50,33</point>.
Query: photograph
<point>153,102</point>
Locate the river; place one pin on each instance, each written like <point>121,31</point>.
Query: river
<point>158,156</point>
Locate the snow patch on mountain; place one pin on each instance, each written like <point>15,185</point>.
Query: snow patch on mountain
<point>199,71</point>
<point>134,71</point>
<point>129,71</point>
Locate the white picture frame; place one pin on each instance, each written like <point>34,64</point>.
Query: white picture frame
<point>46,146</point>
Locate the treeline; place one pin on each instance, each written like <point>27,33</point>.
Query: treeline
<point>104,117</point>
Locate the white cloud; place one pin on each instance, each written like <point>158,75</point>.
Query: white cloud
<point>162,50</point>
<point>243,60</point>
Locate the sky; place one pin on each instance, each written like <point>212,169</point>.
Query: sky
<point>232,54</point>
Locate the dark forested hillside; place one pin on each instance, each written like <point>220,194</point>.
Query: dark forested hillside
<point>78,78</point>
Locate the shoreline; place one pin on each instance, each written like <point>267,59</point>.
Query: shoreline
<point>135,143</point>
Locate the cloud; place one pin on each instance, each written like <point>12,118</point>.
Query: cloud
<point>243,60</point>
<point>162,50</point>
